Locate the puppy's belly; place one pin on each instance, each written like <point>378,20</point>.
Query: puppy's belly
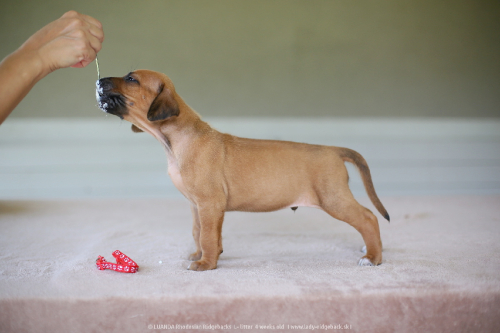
<point>268,204</point>
<point>270,198</point>
<point>304,202</point>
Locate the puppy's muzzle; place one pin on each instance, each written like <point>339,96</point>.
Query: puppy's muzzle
<point>109,99</point>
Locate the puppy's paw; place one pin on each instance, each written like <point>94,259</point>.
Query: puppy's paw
<point>367,261</point>
<point>201,265</point>
<point>195,256</point>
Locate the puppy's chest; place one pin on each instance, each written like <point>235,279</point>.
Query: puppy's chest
<point>175,175</point>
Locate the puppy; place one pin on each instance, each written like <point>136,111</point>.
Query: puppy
<point>219,172</point>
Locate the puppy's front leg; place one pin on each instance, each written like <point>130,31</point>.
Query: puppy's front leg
<point>210,217</point>
<point>196,233</point>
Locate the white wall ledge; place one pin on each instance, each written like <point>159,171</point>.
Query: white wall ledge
<point>97,158</point>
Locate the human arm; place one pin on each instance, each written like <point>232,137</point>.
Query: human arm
<point>73,40</point>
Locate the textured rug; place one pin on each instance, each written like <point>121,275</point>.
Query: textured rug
<point>280,271</point>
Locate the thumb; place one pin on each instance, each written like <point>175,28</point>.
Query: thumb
<point>88,56</point>
<point>79,64</point>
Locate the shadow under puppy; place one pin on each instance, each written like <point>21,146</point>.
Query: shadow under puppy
<point>219,172</point>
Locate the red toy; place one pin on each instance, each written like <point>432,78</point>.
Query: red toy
<point>123,263</point>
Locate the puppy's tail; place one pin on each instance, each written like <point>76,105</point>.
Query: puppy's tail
<point>351,156</point>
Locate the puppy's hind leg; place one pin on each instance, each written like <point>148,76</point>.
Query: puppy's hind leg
<point>347,209</point>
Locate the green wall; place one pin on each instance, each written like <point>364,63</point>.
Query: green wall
<point>371,58</point>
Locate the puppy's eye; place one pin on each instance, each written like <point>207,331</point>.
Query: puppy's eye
<point>131,79</point>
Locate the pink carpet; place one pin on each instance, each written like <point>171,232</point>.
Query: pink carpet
<point>283,271</point>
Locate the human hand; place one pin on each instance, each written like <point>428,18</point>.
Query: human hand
<point>73,40</point>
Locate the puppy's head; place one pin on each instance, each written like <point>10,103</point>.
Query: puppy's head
<point>142,97</point>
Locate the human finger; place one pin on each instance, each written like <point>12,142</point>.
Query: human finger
<point>97,32</point>
<point>86,57</point>
<point>94,42</point>
<point>92,21</point>
<point>76,15</point>
<point>83,42</point>
<point>74,20</point>
<point>94,26</point>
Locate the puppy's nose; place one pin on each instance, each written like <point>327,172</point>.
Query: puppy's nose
<point>104,85</point>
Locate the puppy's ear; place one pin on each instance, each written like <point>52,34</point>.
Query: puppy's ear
<point>164,105</point>
<point>136,129</point>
